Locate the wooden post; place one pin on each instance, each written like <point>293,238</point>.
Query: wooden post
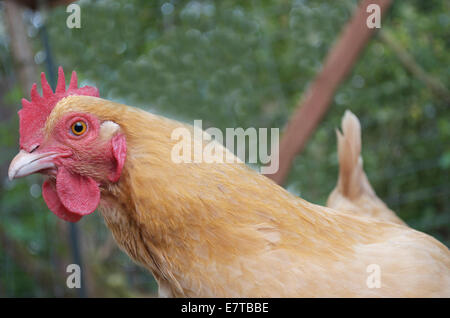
<point>21,50</point>
<point>318,97</point>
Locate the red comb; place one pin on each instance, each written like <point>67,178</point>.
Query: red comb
<point>34,113</point>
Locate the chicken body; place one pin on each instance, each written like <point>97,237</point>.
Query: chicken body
<point>223,230</point>
<point>209,229</point>
<point>353,192</point>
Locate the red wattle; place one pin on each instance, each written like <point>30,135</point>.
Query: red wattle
<point>55,205</point>
<point>78,194</point>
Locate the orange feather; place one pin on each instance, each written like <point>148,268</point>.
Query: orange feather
<point>354,192</point>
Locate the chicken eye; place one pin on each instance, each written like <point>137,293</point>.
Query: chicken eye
<point>78,128</point>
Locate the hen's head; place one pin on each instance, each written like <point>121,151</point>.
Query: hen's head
<point>78,150</point>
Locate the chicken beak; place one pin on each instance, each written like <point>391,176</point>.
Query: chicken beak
<point>25,163</point>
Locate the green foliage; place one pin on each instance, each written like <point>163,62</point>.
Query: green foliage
<point>241,64</point>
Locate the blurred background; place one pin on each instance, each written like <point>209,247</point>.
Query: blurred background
<point>232,64</point>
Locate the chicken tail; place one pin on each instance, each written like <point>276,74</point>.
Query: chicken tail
<point>352,179</point>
